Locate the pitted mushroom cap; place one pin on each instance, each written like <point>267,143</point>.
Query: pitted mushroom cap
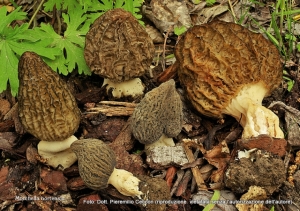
<point>47,108</point>
<point>158,113</point>
<point>117,47</point>
<point>96,162</point>
<point>217,59</point>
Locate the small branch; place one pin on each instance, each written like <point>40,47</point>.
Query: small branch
<point>35,13</point>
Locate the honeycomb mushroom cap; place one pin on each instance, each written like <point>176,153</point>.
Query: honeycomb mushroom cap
<point>47,108</point>
<point>117,47</point>
<point>158,113</point>
<point>216,60</point>
<point>96,162</point>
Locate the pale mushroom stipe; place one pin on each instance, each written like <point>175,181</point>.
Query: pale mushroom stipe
<point>118,48</point>
<point>158,117</point>
<point>227,69</point>
<point>47,110</point>
<point>96,163</point>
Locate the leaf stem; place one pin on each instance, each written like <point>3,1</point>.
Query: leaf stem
<point>14,4</point>
<point>35,13</point>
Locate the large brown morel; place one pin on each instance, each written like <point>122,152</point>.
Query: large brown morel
<point>117,47</point>
<point>227,69</point>
<point>47,108</point>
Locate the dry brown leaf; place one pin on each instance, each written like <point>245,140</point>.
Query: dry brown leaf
<point>171,172</point>
<point>209,13</point>
<point>219,157</point>
<point>166,14</point>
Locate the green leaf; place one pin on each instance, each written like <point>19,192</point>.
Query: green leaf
<point>210,2</point>
<point>9,65</point>
<point>6,20</point>
<point>71,43</point>
<point>179,30</point>
<point>59,4</point>
<point>14,42</point>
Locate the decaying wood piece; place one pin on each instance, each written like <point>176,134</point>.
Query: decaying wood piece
<point>196,171</point>
<point>172,156</point>
<point>113,108</point>
<point>274,145</point>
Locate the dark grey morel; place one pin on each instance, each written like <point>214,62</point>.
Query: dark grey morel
<point>96,163</point>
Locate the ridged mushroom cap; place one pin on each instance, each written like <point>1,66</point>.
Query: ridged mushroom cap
<point>47,108</point>
<point>96,162</point>
<point>158,113</point>
<point>217,59</point>
<point>117,47</point>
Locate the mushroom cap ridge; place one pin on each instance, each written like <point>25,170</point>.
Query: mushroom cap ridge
<point>217,59</point>
<point>96,162</point>
<point>47,108</point>
<point>117,47</point>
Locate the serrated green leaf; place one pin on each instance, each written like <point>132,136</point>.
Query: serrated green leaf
<point>6,20</point>
<point>60,4</point>
<point>119,4</point>
<point>14,42</point>
<point>49,5</point>
<point>58,64</point>
<point>71,43</point>
<point>9,65</point>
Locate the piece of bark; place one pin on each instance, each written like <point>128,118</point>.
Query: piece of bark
<point>53,181</point>
<point>171,172</point>
<point>183,185</point>
<point>274,145</point>
<point>6,125</point>
<point>125,137</point>
<point>172,156</point>
<point>76,184</point>
<point>113,108</point>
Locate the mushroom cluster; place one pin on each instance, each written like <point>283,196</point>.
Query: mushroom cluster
<point>96,163</point>
<point>47,110</point>
<point>227,69</point>
<point>158,117</point>
<point>118,48</point>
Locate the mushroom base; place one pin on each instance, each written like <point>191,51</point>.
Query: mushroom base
<point>133,87</point>
<point>58,153</point>
<point>162,141</point>
<point>125,182</point>
<point>256,119</point>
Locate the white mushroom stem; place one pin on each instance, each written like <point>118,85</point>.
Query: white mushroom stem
<point>256,119</point>
<point>58,152</point>
<point>162,141</point>
<point>133,87</point>
<point>125,182</point>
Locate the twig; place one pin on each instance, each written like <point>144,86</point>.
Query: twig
<point>35,13</point>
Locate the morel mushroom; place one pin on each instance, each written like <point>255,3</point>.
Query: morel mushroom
<point>227,69</point>
<point>119,49</point>
<point>47,110</point>
<point>158,117</point>
<point>96,163</point>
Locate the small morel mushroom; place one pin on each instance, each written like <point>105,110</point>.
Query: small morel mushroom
<point>158,117</point>
<point>119,49</point>
<point>227,69</point>
<point>96,163</point>
<point>47,110</point>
